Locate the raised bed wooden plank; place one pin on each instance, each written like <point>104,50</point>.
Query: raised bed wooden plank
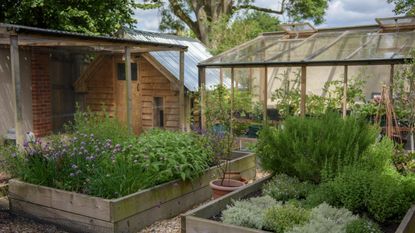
<point>134,203</point>
<point>67,220</point>
<point>200,225</point>
<point>94,207</point>
<point>408,223</point>
<point>163,211</point>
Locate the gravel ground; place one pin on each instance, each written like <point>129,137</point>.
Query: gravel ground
<point>10,223</point>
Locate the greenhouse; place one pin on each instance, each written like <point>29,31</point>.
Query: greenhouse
<point>310,64</point>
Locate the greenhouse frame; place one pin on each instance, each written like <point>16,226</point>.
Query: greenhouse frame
<point>317,55</point>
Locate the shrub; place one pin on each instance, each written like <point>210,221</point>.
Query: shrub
<point>362,226</point>
<point>326,219</point>
<point>283,188</point>
<point>383,195</point>
<point>315,147</point>
<point>248,213</point>
<point>282,218</point>
<point>86,164</point>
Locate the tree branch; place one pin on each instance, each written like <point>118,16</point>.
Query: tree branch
<point>178,11</point>
<point>257,8</point>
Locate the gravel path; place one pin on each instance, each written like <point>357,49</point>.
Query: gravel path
<point>10,223</point>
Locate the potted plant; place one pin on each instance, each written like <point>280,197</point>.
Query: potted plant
<point>222,129</point>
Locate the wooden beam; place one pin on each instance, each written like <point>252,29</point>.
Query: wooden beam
<point>345,84</point>
<point>129,96</point>
<point>265,94</point>
<point>303,90</point>
<point>232,98</point>
<point>17,89</point>
<point>202,90</point>
<point>181,94</point>
<point>392,73</point>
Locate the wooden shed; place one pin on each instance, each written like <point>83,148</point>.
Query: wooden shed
<point>43,73</point>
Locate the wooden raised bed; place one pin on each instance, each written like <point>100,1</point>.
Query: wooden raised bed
<point>199,219</point>
<point>82,213</point>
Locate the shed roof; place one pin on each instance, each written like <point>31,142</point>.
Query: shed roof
<point>332,46</point>
<point>32,36</point>
<point>196,52</point>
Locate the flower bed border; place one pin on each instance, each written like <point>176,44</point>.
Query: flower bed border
<point>199,219</point>
<point>83,213</point>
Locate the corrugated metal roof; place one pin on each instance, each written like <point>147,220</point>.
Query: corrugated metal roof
<point>196,53</point>
<point>82,36</point>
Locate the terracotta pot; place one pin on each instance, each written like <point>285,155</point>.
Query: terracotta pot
<point>234,175</point>
<point>229,185</point>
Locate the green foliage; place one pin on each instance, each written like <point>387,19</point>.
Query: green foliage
<point>101,125</point>
<point>383,195</point>
<point>97,17</point>
<point>86,164</point>
<point>326,219</point>
<point>362,226</point>
<point>246,27</point>
<point>248,213</point>
<point>403,7</point>
<point>316,147</point>
<point>284,188</point>
<point>288,95</point>
<point>282,218</point>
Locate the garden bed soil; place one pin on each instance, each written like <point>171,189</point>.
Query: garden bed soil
<point>207,218</point>
<point>82,213</point>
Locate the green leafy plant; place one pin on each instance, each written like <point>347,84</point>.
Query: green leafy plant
<point>248,213</point>
<point>362,226</point>
<point>86,164</point>
<point>100,124</point>
<point>314,148</point>
<point>284,188</point>
<point>282,218</point>
<point>326,219</point>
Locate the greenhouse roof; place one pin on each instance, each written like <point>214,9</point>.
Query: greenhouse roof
<point>374,44</point>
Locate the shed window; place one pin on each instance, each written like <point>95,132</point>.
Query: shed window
<point>121,71</point>
<point>158,112</point>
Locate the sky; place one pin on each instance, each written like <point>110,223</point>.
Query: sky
<point>339,13</point>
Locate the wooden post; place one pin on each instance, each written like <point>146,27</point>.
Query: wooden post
<point>17,89</point>
<point>181,94</point>
<point>202,90</point>
<point>392,73</point>
<point>129,96</point>
<point>265,93</point>
<point>221,76</point>
<point>303,90</point>
<point>232,98</point>
<point>345,84</point>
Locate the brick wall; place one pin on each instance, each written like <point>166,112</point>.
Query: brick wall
<point>41,94</point>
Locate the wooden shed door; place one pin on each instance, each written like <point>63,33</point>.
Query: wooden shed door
<point>121,99</point>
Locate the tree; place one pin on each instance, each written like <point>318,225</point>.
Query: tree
<point>200,15</point>
<point>243,28</point>
<point>91,17</point>
<point>406,7</point>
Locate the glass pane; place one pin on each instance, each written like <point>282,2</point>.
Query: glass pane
<point>308,47</point>
<point>386,45</point>
<point>346,46</point>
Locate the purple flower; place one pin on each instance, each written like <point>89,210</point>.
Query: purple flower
<point>72,174</point>
<point>14,155</point>
<point>74,166</point>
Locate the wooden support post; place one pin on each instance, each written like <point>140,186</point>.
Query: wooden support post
<point>17,89</point>
<point>345,84</point>
<point>129,96</point>
<point>181,94</point>
<point>221,76</point>
<point>303,90</point>
<point>232,98</point>
<point>202,90</point>
<point>392,73</point>
<point>265,94</point>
